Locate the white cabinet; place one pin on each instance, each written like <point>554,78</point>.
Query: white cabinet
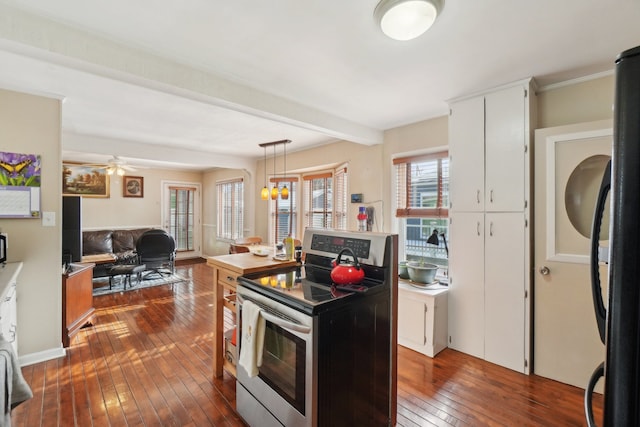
<point>8,304</point>
<point>422,318</point>
<point>504,289</point>
<point>466,167</point>
<point>505,149</point>
<point>490,237</point>
<point>466,282</point>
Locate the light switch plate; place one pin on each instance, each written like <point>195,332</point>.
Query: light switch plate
<point>48,219</point>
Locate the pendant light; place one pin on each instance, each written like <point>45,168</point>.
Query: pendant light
<point>274,190</point>
<point>284,194</point>
<point>264,194</point>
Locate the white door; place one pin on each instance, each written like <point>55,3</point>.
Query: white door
<point>504,289</point>
<point>411,320</point>
<point>569,163</point>
<point>466,155</point>
<point>181,203</point>
<point>505,150</point>
<point>466,283</point>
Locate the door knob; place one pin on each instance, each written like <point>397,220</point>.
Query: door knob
<point>544,270</point>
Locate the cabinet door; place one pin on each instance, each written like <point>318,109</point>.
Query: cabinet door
<point>411,321</point>
<point>505,150</point>
<point>505,290</point>
<point>466,283</point>
<point>466,154</point>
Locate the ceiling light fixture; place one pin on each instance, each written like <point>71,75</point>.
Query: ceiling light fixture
<point>115,169</point>
<point>407,19</point>
<point>274,190</point>
<point>264,194</point>
<point>284,193</point>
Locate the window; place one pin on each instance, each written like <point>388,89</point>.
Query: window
<point>284,213</point>
<point>181,219</point>
<point>318,200</point>
<point>340,198</point>
<point>422,191</point>
<point>325,199</point>
<point>230,209</point>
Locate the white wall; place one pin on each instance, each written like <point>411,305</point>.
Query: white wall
<point>130,212</point>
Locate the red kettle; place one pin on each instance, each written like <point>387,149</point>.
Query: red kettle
<point>346,273</point>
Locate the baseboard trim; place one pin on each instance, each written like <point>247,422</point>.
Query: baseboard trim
<point>41,356</point>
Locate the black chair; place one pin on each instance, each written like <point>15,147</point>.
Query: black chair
<point>157,250</point>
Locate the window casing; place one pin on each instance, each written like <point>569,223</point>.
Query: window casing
<point>230,209</point>
<point>422,199</point>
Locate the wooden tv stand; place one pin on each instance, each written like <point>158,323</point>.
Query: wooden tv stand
<point>77,300</point>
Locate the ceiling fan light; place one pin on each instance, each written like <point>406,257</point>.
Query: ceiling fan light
<point>407,19</point>
<point>264,194</point>
<point>284,193</point>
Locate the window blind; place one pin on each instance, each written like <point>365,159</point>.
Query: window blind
<point>230,209</point>
<point>284,213</point>
<point>340,202</point>
<point>318,202</point>
<point>422,185</point>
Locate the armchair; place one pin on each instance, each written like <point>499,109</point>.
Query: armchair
<point>157,250</point>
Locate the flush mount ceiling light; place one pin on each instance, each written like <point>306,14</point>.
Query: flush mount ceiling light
<point>406,19</point>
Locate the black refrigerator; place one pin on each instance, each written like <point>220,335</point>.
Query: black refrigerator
<point>619,323</point>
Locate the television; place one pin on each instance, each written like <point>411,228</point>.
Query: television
<point>3,248</point>
<point>71,229</point>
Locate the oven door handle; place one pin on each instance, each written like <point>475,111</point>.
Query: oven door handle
<point>279,321</point>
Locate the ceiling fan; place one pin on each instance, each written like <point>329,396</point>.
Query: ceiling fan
<point>118,166</point>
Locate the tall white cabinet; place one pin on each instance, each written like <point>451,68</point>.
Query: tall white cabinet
<point>490,230</point>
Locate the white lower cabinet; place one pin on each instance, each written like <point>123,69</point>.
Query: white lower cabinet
<point>8,305</point>
<point>487,287</point>
<point>422,318</point>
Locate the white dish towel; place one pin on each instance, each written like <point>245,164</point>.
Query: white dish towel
<point>252,339</point>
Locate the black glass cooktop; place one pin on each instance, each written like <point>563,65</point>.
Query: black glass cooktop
<point>303,288</point>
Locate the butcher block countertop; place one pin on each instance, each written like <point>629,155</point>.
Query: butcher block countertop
<point>226,270</point>
<point>246,263</point>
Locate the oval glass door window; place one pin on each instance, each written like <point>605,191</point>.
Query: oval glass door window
<point>581,193</point>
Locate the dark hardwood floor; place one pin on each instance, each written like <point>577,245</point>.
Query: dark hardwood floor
<point>147,362</point>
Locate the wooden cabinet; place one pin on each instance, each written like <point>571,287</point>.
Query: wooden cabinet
<point>490,236</point>
<point>226,270</point>
<point>77,300</point>
<point>8,303</point>
<point>422,318</point>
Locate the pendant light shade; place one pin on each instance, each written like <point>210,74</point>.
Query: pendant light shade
<point>406,19</point>
<point>284,193</point>
<point>264,194</point>
<point>274,190</point>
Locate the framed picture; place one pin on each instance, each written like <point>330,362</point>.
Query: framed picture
<point>84,180</point>
<point>132,186</point>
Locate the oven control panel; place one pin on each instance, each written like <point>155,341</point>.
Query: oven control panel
<point>334,244</point>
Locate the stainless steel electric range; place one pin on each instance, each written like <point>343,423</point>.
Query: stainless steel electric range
<point>329,355</point>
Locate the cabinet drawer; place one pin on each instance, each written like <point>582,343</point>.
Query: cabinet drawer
<point>227,278</point>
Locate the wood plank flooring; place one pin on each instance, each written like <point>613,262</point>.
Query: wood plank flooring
<point>147,362</point>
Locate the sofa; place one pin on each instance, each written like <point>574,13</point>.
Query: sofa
<point>107,248</point>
